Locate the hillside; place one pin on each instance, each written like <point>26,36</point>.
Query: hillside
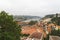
<point>23,18</point>
<point>50,16</point>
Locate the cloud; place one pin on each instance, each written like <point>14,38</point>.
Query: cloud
<point>30,7</point>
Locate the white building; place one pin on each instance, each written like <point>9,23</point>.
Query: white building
<point>54,38</point>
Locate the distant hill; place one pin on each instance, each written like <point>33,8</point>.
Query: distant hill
<point>51,15</point>
<point>23,18</point>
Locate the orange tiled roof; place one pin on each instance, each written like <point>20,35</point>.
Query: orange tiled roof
<point>36,35</point>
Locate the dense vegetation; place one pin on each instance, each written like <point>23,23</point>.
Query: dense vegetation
<point>32,22</point>
<point>55,32</point>
<point>25,35</point>
<point>49,16</point>
<point>56,20</point>
<point>9,30</point>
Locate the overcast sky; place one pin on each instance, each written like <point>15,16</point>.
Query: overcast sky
<point>30,7</point>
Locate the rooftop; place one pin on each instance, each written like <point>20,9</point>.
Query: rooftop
<point>55,37</point>
<point>37,35</point>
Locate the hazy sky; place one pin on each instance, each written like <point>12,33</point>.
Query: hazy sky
<point>30,7</point>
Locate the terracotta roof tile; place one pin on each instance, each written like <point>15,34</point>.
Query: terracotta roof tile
<point>36,35</point>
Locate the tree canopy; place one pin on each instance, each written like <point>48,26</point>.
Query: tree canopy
<point>9,30</point>
<point>56,20</point>
<point>55,32</point>
<point>32,22</point>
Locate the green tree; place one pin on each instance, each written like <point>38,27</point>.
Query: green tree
<point>32,22</point>
<point>47,37</point>
<point>9,30</point>
<point>55,32</point>
<point>56,20</point>
<point>25,35</point>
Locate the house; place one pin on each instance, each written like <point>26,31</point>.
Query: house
<point>28,29</point>
<point>54,38</point>
<point>35,36</point>
<point>22,23</point>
